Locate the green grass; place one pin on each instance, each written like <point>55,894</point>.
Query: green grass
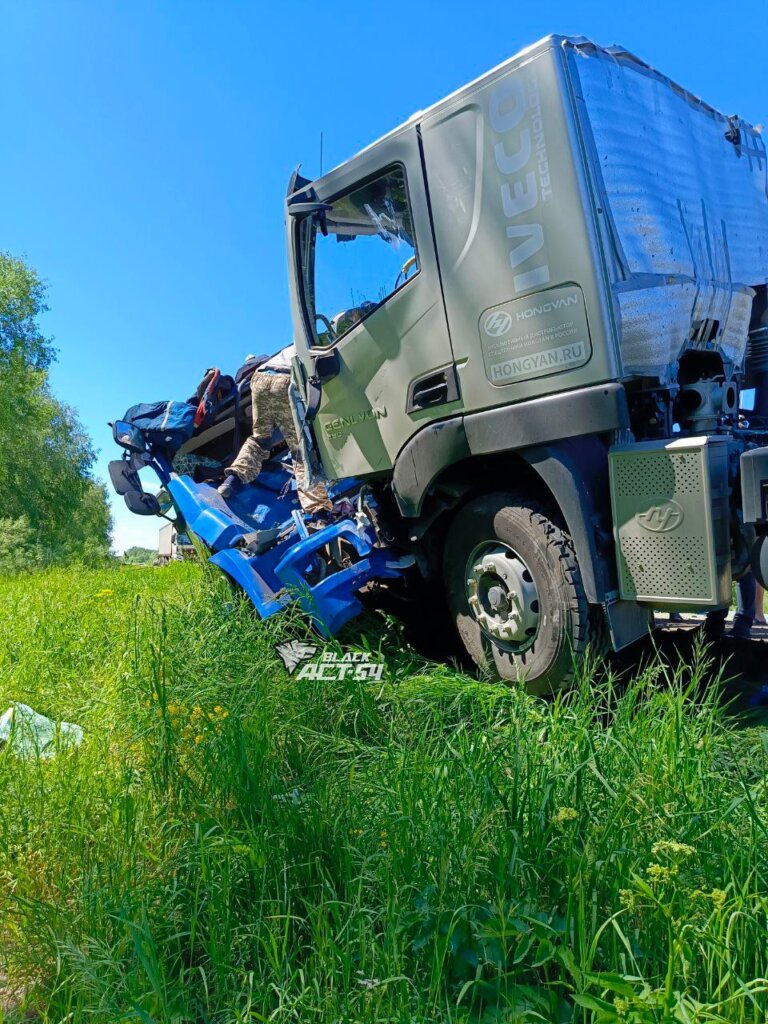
<point>234,844</point>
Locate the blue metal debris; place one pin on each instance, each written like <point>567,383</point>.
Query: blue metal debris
<point>262,541</point>
<point>263,505</point>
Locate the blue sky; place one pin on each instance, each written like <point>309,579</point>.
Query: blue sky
<point>146,150</point>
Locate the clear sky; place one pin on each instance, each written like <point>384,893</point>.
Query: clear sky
<point>146,149</point>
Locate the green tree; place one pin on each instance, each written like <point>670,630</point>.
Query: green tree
<point>46,458</point>
<point>139,556</point>
<point>22,300</point>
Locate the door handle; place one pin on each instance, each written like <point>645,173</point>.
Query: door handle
<point>435,388</point>
<point>431,395</point>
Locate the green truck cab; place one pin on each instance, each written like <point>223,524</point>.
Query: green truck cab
<point>525,319</point>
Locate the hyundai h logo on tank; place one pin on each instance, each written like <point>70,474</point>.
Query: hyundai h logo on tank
<point>521,158</point>
<point>661,518</point>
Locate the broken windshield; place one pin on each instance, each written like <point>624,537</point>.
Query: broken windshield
<point>368,253</point>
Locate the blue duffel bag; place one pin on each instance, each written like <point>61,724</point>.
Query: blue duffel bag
<point>165,425</point>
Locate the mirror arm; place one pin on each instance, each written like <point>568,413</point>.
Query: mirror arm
<point>306,204</point>
<point>308,209</point>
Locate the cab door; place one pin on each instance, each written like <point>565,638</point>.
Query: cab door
<point>366,290</point>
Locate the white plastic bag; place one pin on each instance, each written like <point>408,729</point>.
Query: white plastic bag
<point>32,735</point>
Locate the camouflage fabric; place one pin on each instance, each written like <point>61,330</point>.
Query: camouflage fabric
<point>272,411</point>
<point>185,463</point>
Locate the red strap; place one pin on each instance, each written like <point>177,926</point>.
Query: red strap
<point>202,410</point>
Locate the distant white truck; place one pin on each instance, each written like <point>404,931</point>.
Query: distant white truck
<point>172,546</point>
<point>166,544</point>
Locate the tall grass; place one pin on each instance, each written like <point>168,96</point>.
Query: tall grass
<point>232,844</point>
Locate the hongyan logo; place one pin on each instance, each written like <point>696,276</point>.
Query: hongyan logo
<point>662,517</point>
<point>497,323</point>
<point>535,335</point>
<point>547,307</point>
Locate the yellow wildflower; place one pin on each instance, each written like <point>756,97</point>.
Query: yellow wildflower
<point>106,592</point>
<point>565,814</point>
<point>659,873</point>
<point>621,1006</point>
<point>199,738</point>
<point>672,848</point>
<point>627,899</point>
<point>718,897</point>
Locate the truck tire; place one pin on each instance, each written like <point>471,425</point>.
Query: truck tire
<point>515,591</point>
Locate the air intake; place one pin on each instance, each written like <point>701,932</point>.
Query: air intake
<point>757,350</point>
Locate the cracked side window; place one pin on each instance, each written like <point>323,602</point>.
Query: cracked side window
<point>368,254</point>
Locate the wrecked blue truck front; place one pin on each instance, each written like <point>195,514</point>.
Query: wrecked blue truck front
<point>261,540</point>
<point>264,542</point>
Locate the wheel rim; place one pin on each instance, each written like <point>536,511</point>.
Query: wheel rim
<point>502,596</point>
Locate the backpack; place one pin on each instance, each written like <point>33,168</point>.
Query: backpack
<point>210,392</point>
<point>165,425</point>
<point>249,367</point>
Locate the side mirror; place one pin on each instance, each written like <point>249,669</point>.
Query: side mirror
<point>141,503</point>
<point>128,436</point>
<point>311,208</point>
<point>327,365</point>
<point>124,477</point>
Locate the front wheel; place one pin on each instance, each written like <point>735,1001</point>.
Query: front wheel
<point>515,591</point>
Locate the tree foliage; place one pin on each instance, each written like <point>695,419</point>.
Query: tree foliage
<point>51,508</point>
<point>139,556</point>
<point>22,300</point>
